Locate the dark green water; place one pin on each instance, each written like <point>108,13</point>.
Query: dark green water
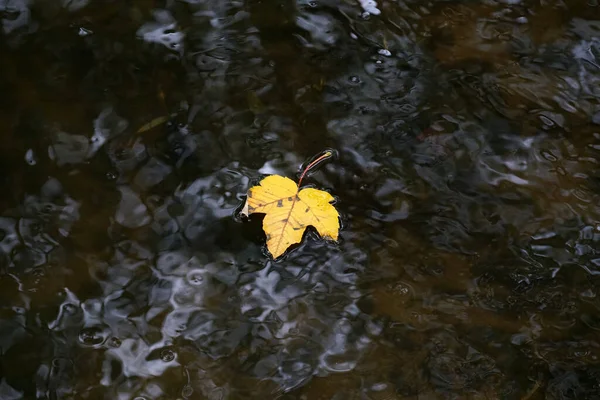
<point>467,175</point>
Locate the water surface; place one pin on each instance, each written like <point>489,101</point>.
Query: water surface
<point>468,140</point>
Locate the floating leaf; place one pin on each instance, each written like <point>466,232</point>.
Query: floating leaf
<point>289,211</point>
<point>154,123</point>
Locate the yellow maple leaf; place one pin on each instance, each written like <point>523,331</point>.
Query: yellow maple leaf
<point>289,211</point>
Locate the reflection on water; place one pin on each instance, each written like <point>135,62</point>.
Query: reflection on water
<point>467,178</point>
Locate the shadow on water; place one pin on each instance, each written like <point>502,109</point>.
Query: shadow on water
<point>467,175</point>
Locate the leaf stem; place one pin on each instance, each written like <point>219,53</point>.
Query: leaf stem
<point>326,155</point>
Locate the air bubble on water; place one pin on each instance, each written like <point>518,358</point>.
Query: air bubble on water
<point>92,336</point>
<point>385,52</point>
<point>30,157</point>
<point>167,355</point>
<point>195,277</point>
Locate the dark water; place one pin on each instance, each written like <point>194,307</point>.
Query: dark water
<point>467,172</point>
